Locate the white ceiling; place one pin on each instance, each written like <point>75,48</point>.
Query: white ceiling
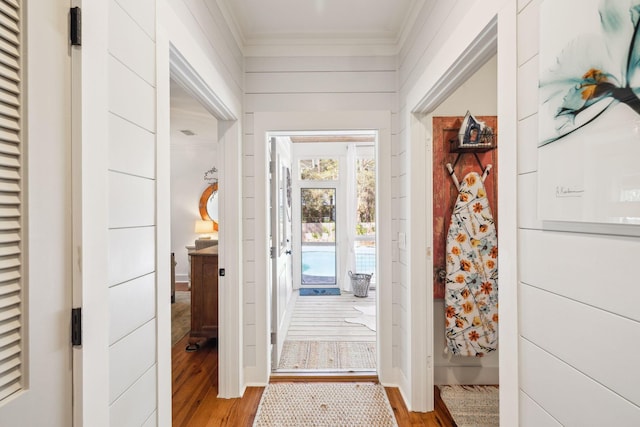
<point>329,22</point>
<point>187,114</point>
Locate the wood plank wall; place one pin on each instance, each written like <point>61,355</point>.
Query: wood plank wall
<point>131,201</point>
<point>133,382</point>
<point>577,292</point>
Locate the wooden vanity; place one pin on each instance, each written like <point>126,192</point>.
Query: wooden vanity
<point>204,296</point>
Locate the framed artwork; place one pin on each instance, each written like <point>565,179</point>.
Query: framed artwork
<point>589,112</point>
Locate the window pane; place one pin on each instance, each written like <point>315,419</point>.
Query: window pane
<point>318,235</point>
<point>318,169</point>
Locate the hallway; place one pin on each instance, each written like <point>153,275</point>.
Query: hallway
<point>195,390</point>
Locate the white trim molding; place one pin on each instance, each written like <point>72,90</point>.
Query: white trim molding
<point>190,80</point>
<point>321,121</point>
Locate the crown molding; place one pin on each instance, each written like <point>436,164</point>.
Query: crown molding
<point>232,23</point>
<point>408,23</point>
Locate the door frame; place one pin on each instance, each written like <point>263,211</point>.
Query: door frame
<point>282,122</point>
<point>178,56</point>
<point>489,29</point>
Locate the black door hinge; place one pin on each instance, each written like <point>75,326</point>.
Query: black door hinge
<point>75,26</point>
<point>76,326</point>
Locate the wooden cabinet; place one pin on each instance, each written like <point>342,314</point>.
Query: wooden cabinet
<point>204,296</point>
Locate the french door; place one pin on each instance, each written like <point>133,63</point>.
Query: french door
<point>281,287</point>
<point>319,214</point>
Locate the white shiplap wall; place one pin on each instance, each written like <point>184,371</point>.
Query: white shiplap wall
<point>578,313</point>
<point>299,84</point>
<point>131,219</point>
<point>423,43</point>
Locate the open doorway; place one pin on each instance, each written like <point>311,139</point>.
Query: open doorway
<point>323,240</point>
<point>194,163</point>
<point>194,168</point>
<point>465,241</point>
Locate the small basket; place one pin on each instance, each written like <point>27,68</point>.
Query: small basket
<point>360,283</point>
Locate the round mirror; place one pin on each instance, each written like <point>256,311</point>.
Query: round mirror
<point>209,205</point>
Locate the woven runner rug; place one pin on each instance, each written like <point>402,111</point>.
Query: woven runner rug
<point>332,355</point>
<point>324,405</point>
<point>472,406</point>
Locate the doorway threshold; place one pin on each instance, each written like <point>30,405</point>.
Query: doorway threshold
<point>324,376</point>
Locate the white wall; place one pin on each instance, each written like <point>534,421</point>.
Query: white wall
<point>131,214</point>
<point>189,161</point>
<point>479,96</point>
<point>433,27</point>
<point>577,291</point>
<point>295,84</point>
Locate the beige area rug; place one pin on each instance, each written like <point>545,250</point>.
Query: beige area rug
<point>366,318</point>
<point>180,316</point>
<point>337,355</point>
<point>324,404</point>
<point>472,406</point>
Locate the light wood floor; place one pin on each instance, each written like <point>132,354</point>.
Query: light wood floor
<point>194,375</point>
<point>322,318</point>
<point>195,390</point>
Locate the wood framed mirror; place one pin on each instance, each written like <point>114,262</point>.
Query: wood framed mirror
<point>209,205</point>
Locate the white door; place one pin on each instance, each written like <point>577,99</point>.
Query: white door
<point>281,275</point>
<point>319,214</point>
<point>35,273</point>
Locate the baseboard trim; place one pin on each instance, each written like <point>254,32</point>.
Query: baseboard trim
<point>323,378</point>
<point>466,375</point>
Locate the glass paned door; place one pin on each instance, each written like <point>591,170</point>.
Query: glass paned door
<point>318,236</point>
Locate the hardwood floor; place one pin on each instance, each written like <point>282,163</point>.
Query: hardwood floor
<point>195,390</point>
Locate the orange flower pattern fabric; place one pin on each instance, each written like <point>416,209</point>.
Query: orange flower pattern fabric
<point>471,290</point>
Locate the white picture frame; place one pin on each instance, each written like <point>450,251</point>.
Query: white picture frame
<point>589,113</point>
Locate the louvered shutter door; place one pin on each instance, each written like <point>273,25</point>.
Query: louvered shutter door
<point>10,195</point>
